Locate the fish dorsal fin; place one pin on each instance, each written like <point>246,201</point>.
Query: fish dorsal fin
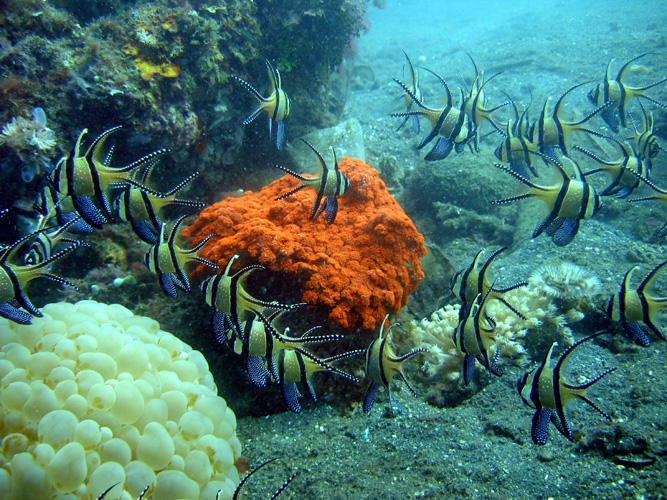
<point>626,279</point>
<point>569,350</point>
<point>579,175</point>
<point>448,94</point>
<point>485,267</point>
<point>162,239</point>
<point>484,82</point>
<point>77,146</point>
<point>646,126</point>
<point>95,150</point>
<point>649,277</point>
<point>476,306</point>
<point>333,152</point>
<point>524,116</point>
<point>174,229</point>
<point>474,65</point>
<point>384,332</point>
<point>274,77</point>
<point>554,115</point>
<point>412,80</point>
<point>323,164</point>
<point>607,74</point>
<point>621,71</point>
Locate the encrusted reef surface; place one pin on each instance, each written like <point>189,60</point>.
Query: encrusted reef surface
<point>163,69</point>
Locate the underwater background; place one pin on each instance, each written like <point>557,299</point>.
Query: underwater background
<point>176,76</point>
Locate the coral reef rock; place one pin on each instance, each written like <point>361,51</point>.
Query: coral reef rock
<point>363,266</point>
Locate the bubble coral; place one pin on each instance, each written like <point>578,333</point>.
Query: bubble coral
<point>361,267</point>
<point>91,395</point>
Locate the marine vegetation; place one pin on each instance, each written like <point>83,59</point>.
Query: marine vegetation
<point>32,143</point>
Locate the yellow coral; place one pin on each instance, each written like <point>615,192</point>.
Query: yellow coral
<point>147,69</point>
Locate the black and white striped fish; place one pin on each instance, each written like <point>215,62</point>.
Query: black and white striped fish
<point>276,105</point>
<point>450,123</point>
<point>226,293</point>
<point>516,148</point>
<point>261,342</point>
<point>141,207</point>
<point>89,175</point>
<point>297,366</point>
<point>328,184</point>
<point>546,390</point>
<point>14,278</point>
<point>618,94</point>
<point>472,281</point>
<point>50,204</point>
<point>167,259</point>
<point>620,169</point>
<point>633,306</point>
<point>382,364</point>
<point>474,337</point>
<point>568,202</point>
<point>551,130</point>
<point>41,247</point>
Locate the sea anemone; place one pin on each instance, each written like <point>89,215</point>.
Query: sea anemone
<point>566,281</point>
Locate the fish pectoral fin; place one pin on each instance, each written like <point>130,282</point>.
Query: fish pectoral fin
<point>440,151</point>
<point>546,222</point>
<point>145,230</point>
<point>540,428</point>
<point>562,426</point>
<point>85,207</point>
<point>280,134</point>
<point>220,327</point>
<point>610,117</point>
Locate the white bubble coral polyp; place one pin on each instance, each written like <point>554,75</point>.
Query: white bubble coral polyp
<point>91,395</point>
